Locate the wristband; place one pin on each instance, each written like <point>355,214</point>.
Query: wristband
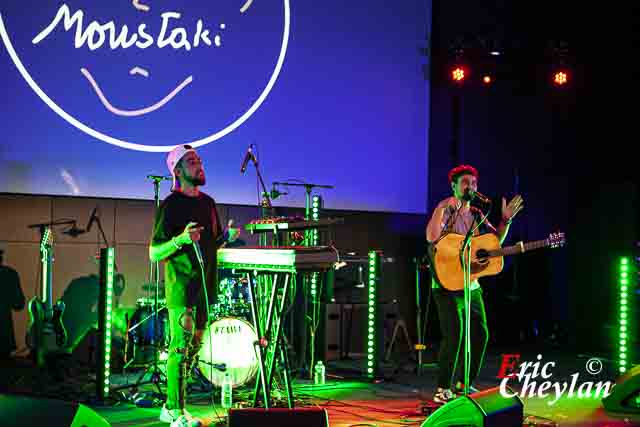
<point>173,240</point>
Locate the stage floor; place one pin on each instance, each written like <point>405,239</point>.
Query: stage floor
<point>397,398</point>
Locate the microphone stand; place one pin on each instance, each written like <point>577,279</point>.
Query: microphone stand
<point>154,278</point>
<point>315,299</point>
<point>308,187</point>
<point>266,207</point>
<point>466,270</point>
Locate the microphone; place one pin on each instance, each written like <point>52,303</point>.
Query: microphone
<point>470,195</point>
<point>247,156</point>
<point>274,193</point>
<point>196,248</point>
<point>159,177</point>
<point>74,231</point>
<point>484,199</point>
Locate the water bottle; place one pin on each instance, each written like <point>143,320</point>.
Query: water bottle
<point>318,377</point>
<point>227,391</point>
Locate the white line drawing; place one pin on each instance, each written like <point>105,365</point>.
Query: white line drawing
<point>139,70</point>
<point>246,6</point>
<point>102,136</point>
<point>142,7</point>
<point>133,113</point>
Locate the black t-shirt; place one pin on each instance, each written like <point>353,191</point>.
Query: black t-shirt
<point>182,276</point>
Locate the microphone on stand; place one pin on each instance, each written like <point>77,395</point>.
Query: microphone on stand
<point>159,177</point>
<point>249,155</point>
<point>274,193</point>
<point>74,231</point>
<point>470,195</point>
<point>484,199</point>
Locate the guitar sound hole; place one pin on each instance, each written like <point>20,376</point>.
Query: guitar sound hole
<point>482,256</point>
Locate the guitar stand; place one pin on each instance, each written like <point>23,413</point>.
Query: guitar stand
<point>270,344</point>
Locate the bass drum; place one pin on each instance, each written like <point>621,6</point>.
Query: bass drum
<point>229,341</point>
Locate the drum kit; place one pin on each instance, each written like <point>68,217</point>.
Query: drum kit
<point>227,342</point>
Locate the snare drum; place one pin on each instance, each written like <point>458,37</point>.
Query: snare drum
<point>229,341</point>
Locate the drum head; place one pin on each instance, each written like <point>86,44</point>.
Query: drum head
<point>229,341</point>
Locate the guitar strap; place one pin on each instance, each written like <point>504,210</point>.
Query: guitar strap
<point>431,246</point>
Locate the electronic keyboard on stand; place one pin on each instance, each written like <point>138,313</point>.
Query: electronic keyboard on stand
<point>279,264</point>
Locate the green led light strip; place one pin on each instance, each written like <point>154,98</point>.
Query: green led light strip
<point>315,215</point>
<point>107,272</point>
<point>372,362</point>
<point>624,321</point>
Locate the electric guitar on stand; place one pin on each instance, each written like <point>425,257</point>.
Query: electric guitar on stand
<point>46,334</point>
<point>486,256</point>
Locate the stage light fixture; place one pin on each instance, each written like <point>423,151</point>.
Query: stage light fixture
<point>561,77</point>
<point>372,313</point>
<point>458,73</point>
<point>105,310</point>
<point>625,313</point>
<point>316,206</point>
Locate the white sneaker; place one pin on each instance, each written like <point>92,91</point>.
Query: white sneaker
<point>183,421</point>
<point>443,395</point>
<point>178,418</point>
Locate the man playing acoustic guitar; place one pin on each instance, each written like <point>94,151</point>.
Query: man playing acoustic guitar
<point>456,215</point>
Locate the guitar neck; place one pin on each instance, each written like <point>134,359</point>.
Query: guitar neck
<point>519,248</point>
<point>47,279</point>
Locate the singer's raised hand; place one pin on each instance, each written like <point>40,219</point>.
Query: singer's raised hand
<point>190,234</point>
<point>511,209</point>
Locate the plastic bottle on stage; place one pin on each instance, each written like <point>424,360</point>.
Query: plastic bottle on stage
<point>318,375</point>
<point>227,391</point>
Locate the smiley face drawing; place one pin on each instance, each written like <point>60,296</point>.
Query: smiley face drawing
<point>147,75</point>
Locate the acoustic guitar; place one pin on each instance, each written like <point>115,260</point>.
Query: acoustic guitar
<point>46,334</point>
<point>487,256</point>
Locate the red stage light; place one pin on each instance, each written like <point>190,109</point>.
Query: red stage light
<point>458,74</point>
<point>561,78</point>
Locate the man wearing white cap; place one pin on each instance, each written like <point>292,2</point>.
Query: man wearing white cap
<point>187,222</point>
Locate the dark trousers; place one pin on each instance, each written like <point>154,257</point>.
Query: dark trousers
<point>451,313</point>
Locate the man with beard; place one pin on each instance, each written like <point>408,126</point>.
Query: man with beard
<point>186,223</point>
<point>456,215</point>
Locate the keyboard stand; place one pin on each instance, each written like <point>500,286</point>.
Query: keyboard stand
<point>270,344</point>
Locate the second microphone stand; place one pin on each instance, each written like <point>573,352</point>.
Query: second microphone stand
<point>466,270</point>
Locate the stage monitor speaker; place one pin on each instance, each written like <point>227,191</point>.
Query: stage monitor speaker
<point>281,417</point>
<point>625,396</point>
<point>487,408</point>
<point>20,411</point>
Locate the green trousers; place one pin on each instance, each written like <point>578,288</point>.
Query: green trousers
<point>185,344</point>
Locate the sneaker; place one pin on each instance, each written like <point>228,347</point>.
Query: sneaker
<point>183,421</point>
<point>443,395</point>
<point>178,417</point>
<point>459,389</point>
